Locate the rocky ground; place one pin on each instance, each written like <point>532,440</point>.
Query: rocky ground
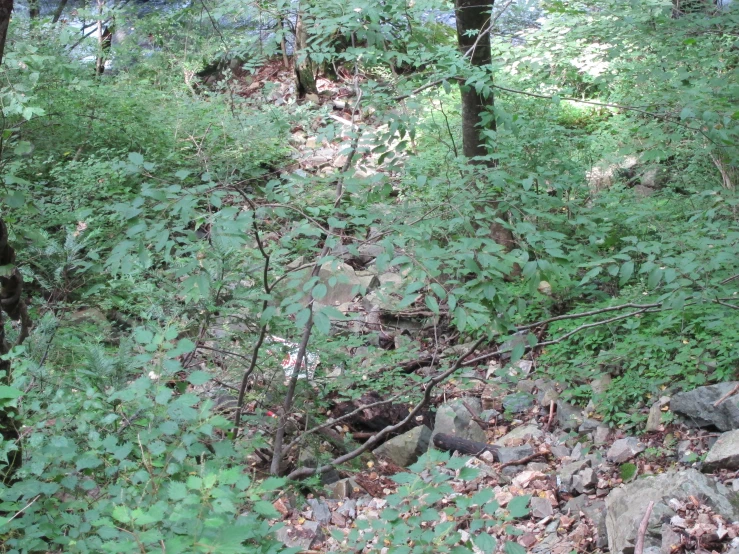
<point>589,487</point>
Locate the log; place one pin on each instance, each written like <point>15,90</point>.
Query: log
<point>463,446</point>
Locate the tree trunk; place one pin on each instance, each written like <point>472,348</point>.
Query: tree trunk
<point>305,83</point>
<point>13,305</point>
<point>33,9</point>
<point>59,10</point>
<point>473,33</point>
<point>6,8</point>
<point>473,17</point>
<point>451,443</point>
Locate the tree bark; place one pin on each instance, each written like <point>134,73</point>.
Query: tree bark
<point>463,446</point>
<point>6,8</point>
<point>12,305</point>
<point>473,17</point>
<point>473,33</point>
<point>305,83</point>
<point>33,9</point>
<point>59,10</point>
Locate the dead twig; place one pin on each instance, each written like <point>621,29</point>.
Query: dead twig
<point>551,415</point>
<point>725,397</point>
<point>476,418</point>
<point>639,548</point>
<point>524,460</point>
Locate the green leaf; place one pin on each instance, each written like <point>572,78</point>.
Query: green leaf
<point>199,377</point>
<point>319,291</point>
<point>511,547</point>
<point>264,508</point>
<point>625,273</point>
<point>136,159</point>
<point>486,543</point>
<point>518,351</point>
<point>322,323</point>
<point>518,507</point>
<point>432,304</point>
<point>9,392</point>
<point>177,490</point>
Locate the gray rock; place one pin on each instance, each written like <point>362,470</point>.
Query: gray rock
<point>589,425</point>
<point>600,384</point>
<point>507,347</point>
<point>670,539</point>
<point>626,505</point>
<point>540,507</point>
<point>344,488</point>
<point>405,449</point>
<point>523,432</point>
<point>577,452</point>
<point>569,417</point>
<point>654,420</point>
<point>584,481</point>
<point>348,509</point>
<point>453,418</point>
<point>518,402</point>
<point>321,511</point>
<point>601,435</point>
<point>560,451</point>
<point>624,449</point>
<point>724,454</point>
<point>302,537</point>
<point>345,285</point>
<point>566,474</point>
<point>506,455</point>
<point>697,407</point>
<point>595,511</point>
<point>685,454</point>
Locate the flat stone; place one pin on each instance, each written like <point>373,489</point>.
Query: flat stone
<point>569,417</point>
<point>521,433</point>
<point>588,425</point>
<point>602,432</point>
<point>626,505</point>
<point>654,420</point>
<point>696,407</point>
<point>560,451</point>
<point>453,418</point>
<point>405,449</point>
<point>506,455</point>
<point>540,507</point>
<point>518,402</point>
<point>624,449</point>
<point>585,480</point>
<point>724,454</point>
<point>321,511</point>
<point>670,540</point>
<point>566,474</point>
<point>344,488</point>
<point>300,536</point>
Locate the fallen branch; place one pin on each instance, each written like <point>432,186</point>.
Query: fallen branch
<point>451,443</point>
<point>524,460</point>
<point>373,441</point>
<point>725,397</point>
<point>642,533</point>
<point>476,418</point>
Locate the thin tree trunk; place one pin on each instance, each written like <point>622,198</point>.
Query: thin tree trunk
<point>100,61</point>
<point>59,10</point>
<point>473,17</point>
<point>283,43</point>
<point>33,9</point>
<point>305,83</point>
<point>473,35</point>
<point>14,307</point>
<point>6,8</point>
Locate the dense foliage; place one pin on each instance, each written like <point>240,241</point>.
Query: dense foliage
<point>166,236</point>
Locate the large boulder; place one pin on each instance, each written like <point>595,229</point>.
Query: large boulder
<point>453,418</point>
<point>405,449</point>
<point>626,506</point>
<point>697,407</point>
<point>724,454</point>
